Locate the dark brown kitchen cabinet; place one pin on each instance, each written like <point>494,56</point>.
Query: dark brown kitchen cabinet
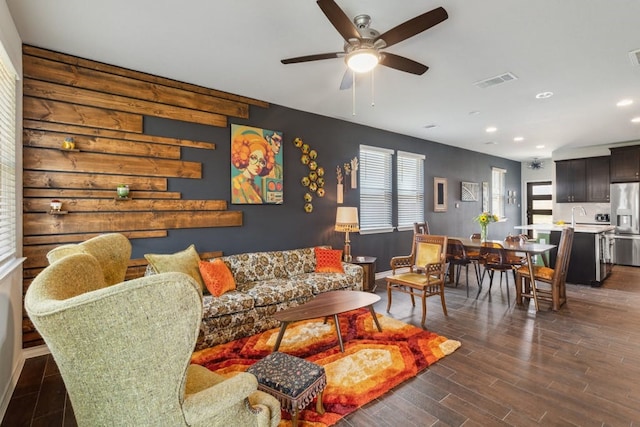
<point>583,180</point>
<point>598,179</point>
<point>571,185</point>
<point>625,164</point>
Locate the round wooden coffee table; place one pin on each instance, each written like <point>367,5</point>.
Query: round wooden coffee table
<point>324,305</point>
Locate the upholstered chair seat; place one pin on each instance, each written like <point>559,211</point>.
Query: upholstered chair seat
<point>539,271</point>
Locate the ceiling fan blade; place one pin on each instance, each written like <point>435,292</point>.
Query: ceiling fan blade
<point>347,80</point>
<point>403,64</point>
<point>414,26</point>
<point>339,19</point>
<point>316,57</point>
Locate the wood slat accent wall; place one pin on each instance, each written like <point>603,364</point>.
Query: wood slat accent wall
<point>102,107</point>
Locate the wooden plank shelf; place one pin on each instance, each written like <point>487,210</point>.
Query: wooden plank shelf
<point>101,108</point>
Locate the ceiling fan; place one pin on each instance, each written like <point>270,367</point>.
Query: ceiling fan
<point>363,45</point>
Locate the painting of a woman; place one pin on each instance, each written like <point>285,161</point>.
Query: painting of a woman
<point>252,158</point>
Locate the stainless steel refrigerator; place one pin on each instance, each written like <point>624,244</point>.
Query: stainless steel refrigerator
<point>625,215</point>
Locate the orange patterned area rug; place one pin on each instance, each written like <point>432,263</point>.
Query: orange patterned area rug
<point>372,363</point>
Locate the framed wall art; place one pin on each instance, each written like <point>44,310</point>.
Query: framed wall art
<point>439,194</point>
<point>469,191</point>
<point>256,166</point>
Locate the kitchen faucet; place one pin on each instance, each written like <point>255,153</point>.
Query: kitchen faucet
<point>573,219</point>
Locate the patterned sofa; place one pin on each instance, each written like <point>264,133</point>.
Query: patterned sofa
<point>267,282</point>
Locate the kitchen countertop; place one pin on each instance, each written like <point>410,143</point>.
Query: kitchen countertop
<point>580,228</point>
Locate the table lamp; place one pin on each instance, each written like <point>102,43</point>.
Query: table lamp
<point>347,220</point>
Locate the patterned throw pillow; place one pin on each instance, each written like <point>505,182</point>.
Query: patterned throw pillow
<point>182,262</point>
<point>217,277</point>
<point>328,260</point>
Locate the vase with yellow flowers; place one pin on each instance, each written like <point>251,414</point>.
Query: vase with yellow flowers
<point>484,219</point>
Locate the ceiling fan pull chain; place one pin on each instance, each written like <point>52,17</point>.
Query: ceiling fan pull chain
<point>373,101</point>
<point>353,95</point>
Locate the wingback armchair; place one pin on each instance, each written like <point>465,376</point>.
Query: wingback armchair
<point>124,350</point>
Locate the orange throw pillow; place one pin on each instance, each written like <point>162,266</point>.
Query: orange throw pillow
<point>217,277</point>
<point>328,260</point>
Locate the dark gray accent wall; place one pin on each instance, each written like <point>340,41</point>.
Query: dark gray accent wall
<point>288,226</point>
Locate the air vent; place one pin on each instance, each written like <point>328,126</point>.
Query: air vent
<point>492,81</point>
<point>635,57</point>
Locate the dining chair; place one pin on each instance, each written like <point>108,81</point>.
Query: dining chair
<point>426,273</point>
<point>457,257</point>
<point>493,258</point>
<point>474,255</point>
<point>554,279</point>
<point>421,228</point>
<point>516,259</point>
<point>407,260</point>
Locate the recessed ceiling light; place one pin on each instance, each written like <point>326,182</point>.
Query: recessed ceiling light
<point>491,129</point>
<point>539,146</point>
<point>624,102</point>
<point>474,113</point>
<point>543,95</point>
<point>518,139</point>
<point>429,126</point>
<point>635,120</point>
<point>490,143</point>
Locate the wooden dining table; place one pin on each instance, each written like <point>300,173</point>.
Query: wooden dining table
<point>528,248</point>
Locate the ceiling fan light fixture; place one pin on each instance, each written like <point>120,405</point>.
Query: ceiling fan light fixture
<point>362,60</point>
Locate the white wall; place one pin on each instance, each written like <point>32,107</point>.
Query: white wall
<point>546,173</point>
<point>11,356</point>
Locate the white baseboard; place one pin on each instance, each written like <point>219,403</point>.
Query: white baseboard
<point>30,352</point>
<point>383,274</point>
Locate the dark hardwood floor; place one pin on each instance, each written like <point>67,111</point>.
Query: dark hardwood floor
<point>576,367</point>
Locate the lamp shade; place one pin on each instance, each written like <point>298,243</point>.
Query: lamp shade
<point>347,219</point>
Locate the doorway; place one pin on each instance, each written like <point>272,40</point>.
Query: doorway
<point>539,204</point>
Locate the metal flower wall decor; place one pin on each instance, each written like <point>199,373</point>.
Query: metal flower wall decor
<point>536,164</point>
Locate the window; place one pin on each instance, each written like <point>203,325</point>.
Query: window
<point>375,189</point>
<point>7,161</point>
<point>498,192</point>
<point>410,178</point>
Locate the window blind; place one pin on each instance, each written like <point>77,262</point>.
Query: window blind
<point>7,162</point>
<point>375,189</point>
<point>410,182</point>
<point>498,192</point>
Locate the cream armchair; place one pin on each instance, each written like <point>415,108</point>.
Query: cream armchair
<point>124,350</point>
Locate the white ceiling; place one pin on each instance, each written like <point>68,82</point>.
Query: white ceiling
<point>577,49</point>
